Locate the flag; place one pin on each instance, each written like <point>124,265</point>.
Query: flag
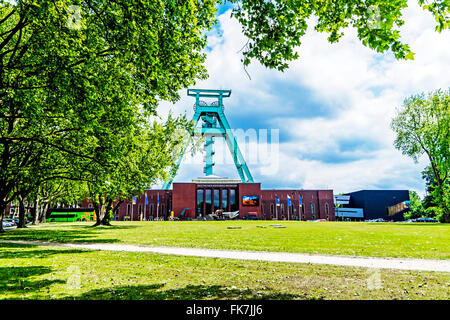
<point>134,200</point>
<point>158,199</point>
<point>289,201</point>
<point>146,199</point>
<point>299,200</point>
<point>277,200</point>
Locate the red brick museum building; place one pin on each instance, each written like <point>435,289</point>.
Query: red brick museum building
<point>202,198</point>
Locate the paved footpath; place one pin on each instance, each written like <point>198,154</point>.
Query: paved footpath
<point>369,262</point>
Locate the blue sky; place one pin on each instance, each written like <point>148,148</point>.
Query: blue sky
<point>332,107</point>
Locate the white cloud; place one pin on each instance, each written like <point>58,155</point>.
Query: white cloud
<point>362,86</point>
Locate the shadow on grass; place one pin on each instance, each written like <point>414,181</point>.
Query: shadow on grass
<point>13,279</point>
<point>189,292</point>
<point>415,224</point>
<point>9,251</point>
<point>69,233</point>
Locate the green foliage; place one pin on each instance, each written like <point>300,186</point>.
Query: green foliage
<point>78,78</point>
<point>72,85</point>
<point>435,213</point>
<point>436,195</point>
<point>416,209</point>
<point>422,127</point>
<point>441,12</point>
<point>133,159</point>
<point>275,28</point>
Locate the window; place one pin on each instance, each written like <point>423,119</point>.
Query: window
<point>200,194</point>
<point>272,209</point>
<point>312,209</point>
<point>326,208</point>
<point>140,211</point>
<point>151,210</point>
<point>208,201</point>
<point>224,199</point>
<point>216,199</point>
<point>233,205</point>
<point>129,210</point>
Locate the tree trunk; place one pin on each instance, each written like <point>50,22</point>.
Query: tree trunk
<point>2,212</point>
<point>106,221</point>
<point>116,207</point>
<point>36,212</point>
<point>98,213</point>
<point>21,213</point>
<point>43,213</point>
<point>446,216</point>
<point>100,208</point>
<point>104,212</point>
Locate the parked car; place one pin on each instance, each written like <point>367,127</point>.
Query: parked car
<point>251,216</point>
<point>426,220</point>
<point>7,224</point>
<point>422,220</point>
<point>376,220</point>
<point>13,221</point>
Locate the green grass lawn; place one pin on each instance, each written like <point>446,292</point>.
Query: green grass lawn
<point>37,272</point>
<point>430,241</point>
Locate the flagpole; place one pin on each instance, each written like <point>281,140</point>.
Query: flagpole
<point>276,206</point>
<point>289,203</point>
<point>299,213</point>
<point>133,202</point>
<point>145,203</point>
<point>300,207</point>
<point>157,209</point>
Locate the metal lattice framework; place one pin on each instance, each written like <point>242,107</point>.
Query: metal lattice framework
<point>215,124</point>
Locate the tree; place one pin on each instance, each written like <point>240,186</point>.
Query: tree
<point>416,209</point>
<point>143,155</point>
<point>50,192</point>
<point>64,64</point>
<point>422,128</point>
<point>274,28</point>
<point>434,196</point>
<point>59,76</point>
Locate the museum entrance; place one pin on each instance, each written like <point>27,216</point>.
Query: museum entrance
<point>209,200</point>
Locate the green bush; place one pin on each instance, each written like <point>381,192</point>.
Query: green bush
<point>435,212</point>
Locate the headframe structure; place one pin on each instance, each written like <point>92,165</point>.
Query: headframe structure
<point>215,124</point>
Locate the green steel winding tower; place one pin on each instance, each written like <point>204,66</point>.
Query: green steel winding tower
<point>215,124</point>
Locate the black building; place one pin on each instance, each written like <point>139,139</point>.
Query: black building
<point>386,204</point>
